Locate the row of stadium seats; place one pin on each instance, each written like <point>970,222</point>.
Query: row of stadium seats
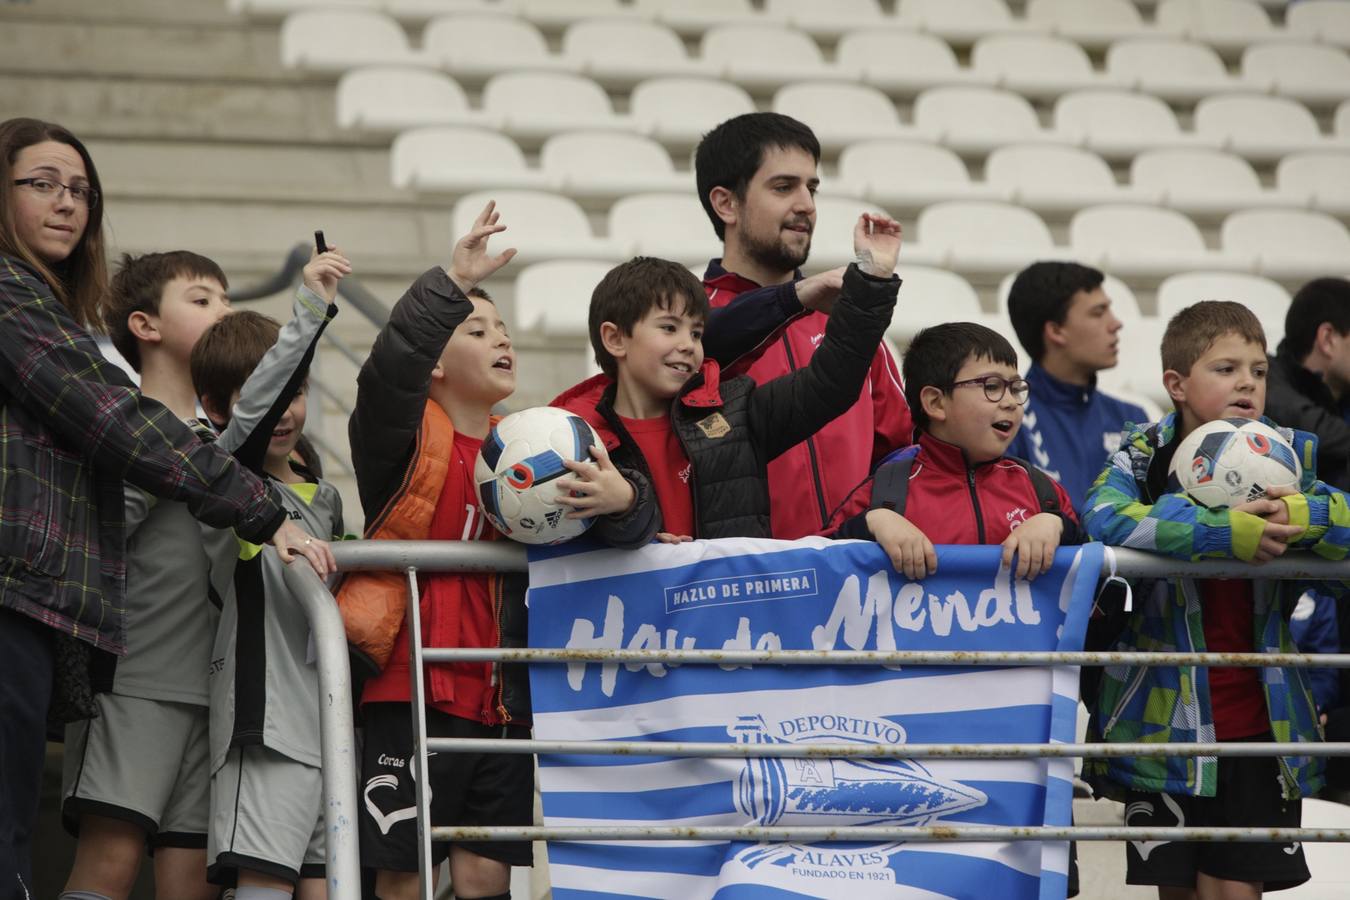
<point>975,237</point>
<point>531,106</point>
<point>619,53</point>
<point>901,175</point>
<point>1225,24</point>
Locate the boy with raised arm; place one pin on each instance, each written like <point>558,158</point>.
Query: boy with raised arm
<point>266,826</point>
<point>1215,367</point>
<point>139,773</point>
<point>705,442</point>
<point>423,407</point>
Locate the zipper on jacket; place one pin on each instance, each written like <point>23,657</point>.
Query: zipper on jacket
<point>811,449</point>
<point>1125,698</point>
<point>498,679</point>
<point>975,502</point>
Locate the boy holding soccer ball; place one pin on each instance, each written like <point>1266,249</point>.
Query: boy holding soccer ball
<point>704,440</point>
<point>1215,366</point>
<point>423,406</point>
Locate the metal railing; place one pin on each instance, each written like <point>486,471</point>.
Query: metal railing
<point>451,556</point>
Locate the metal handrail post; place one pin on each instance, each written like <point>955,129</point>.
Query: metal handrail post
<point>336,728</point>
<point>417,759</point>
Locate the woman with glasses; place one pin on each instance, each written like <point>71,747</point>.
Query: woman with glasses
<point>72,429</point>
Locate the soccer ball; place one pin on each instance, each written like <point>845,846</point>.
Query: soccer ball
<point>519,461</point>
<point>1230,461</point>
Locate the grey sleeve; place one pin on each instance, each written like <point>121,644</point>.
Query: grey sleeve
<point>264,388</point>
<point>136,507</point>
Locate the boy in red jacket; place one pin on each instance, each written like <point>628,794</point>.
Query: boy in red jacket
<point>956,486</point>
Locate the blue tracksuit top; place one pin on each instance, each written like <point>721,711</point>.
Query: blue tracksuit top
<point>1071,431</point>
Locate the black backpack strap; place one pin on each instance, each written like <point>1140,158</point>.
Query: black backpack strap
<point>1043,485</point>
<point>890,481</point>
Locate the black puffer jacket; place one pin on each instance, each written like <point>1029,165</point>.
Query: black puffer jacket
<point>730,430</point>
<point>1297,398</point>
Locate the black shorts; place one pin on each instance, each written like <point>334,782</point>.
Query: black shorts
<point>466,789</point>
<point>1249,794</point>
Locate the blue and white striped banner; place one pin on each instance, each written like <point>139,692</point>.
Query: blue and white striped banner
<point>808,594</point>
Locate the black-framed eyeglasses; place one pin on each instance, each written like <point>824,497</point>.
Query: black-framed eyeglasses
<point>995,386</point>
<point>83,194</point>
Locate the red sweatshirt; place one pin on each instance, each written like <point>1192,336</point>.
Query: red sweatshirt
<point>810,480</point>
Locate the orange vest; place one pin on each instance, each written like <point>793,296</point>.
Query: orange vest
<point>373,604</point>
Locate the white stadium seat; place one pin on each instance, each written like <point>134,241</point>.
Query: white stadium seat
<point>1120,124</point>
<point>832,240</point>
<point>1257,127</point>
<point>1289,244</point>
<point>693,17</point>
<point>538,104</point>
<point>560,13</point>
<point>607,165</point>
<point>1139,368</point>
<point>330,41</point>
<point>840,114</point>
<point>1227,25</point>
<point>976,236</point>
<point>907,175</point>
<point>388,99</point>
<point>1341,124</point>
<point>963,21</point>
<point>762,57</point>
<point>1203,183</point>
<point>903,62</point>
<point>460,160</point>
<point>1262,296</point>
<point>620,53</point>
<point>827,20</point>
<point>1177,71</point>
<point>1035,65</point>
<point>555,296</point>
<point>679,111</point>
<point>1055,180</point>
<point>421,10</point>
<point>1307,72</point>
<point>1092,23</point>
<point>1145,242</point>
<point>671,226</point>
<point>977,120</point>
<point>1319,180</point>
<point>276,9</point>
<point>542,226</point>
<point>478,46</point>
<point>1321,20</point>
<point>931,296</point>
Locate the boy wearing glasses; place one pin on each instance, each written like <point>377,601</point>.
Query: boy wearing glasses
<point>956,485</point>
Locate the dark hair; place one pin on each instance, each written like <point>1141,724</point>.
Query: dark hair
<point>227,354</point>
<point>630,290</point>
<point>731,154</point>
<point>937,354</point>
<point>1194,330</point>
<point>79,281</point>
<point>1320,300</point>
<point>138,286</point>
<point>1043,292</point>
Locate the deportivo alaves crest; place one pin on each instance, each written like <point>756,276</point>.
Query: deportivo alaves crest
<point>841,791</point>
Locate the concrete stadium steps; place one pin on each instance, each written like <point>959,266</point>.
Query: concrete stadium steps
<point>176,109</point>
<point>313,174</point>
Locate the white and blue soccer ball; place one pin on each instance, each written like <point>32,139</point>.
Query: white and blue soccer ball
<point>1228,462</point>
<point>519,462</point>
